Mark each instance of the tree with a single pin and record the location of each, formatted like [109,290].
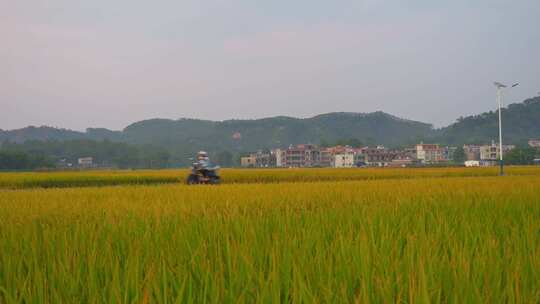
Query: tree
[353,142]
[105,153]
[324,143]
[459,156]
[152,156]
[225,158]
[520,156]
[16,160]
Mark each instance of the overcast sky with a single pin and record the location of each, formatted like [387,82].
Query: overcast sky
[108,63]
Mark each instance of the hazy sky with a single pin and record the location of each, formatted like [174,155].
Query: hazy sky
[107,63]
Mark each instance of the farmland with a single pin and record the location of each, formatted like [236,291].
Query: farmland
[300,235]
[68,179]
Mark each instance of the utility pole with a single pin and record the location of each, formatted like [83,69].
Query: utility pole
[499,87]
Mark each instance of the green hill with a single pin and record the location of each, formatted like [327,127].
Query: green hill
[184,136]
[245,135]
[39,133]
[521,121]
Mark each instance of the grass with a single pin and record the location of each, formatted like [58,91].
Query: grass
[410,240]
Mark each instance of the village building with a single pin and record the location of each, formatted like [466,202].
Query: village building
[277,157]
[472,152]
[491,153]
[534,143]
[429,153]
[304,155]
[309,155]
[260,159]
[85,162]
[344,160]
[326,157]
[379,156]
[402,160]
[248,161]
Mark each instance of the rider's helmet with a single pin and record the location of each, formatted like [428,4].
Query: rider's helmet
[202,155]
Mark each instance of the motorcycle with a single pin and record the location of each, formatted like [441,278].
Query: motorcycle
[203,175]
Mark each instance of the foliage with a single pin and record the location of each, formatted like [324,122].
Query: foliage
[459,155]
[520,123]
[521,156]
[444,240]
[105,153]
[225,159]
[353,142]
[14,160]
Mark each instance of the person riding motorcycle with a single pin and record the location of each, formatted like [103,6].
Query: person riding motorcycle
[203,171]
[202,159]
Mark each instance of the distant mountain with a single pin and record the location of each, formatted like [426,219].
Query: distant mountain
[245,135]
[184,136]
[103,134]
[521,121]
[45,133]
[39,133]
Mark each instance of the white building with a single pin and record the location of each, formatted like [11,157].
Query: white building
[344,160]
[85,162]
[534,143]
[278,155]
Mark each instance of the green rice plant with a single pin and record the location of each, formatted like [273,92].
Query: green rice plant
[409,240]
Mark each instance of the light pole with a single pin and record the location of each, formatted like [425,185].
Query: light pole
[501,86]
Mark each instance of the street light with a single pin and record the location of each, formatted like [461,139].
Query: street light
[501,86]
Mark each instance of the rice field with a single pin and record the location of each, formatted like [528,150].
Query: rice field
[24,180]
[269,236]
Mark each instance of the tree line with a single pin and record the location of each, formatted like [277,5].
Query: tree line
[48,154]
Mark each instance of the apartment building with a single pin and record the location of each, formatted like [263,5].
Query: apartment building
[402,160]
[344,160]
[492,152]
[249,161]
[326,157]
[472,152]
[379,156]
[429,153]
[304,155]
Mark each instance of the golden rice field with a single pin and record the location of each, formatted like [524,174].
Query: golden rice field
[269,236]
[230,176]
